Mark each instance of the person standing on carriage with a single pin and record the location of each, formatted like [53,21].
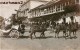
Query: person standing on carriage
[21,28]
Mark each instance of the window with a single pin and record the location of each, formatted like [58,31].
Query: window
[39,12]
[24,12]
[65,3]
[58,8]
[53,9]
[76,1]
[68,3]
[45,11]
[42,11]
[35,13]
[49,10]
[61,6]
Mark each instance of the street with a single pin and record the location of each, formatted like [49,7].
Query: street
[48,43]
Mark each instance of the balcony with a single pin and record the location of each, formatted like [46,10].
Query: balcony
[47,13]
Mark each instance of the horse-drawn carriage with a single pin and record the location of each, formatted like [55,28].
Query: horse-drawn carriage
[18,30]
[9,32]
[14,32]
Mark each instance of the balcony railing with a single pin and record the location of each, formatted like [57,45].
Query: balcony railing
[47,13]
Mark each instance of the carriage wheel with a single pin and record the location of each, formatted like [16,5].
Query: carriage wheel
[14,34]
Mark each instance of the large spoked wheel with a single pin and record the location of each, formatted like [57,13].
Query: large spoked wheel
[14,34]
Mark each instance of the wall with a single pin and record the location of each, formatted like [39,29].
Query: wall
[77,19]
[34,4]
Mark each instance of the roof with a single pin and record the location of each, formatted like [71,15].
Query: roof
[48,4]
[38,7]
[44,5]
[52,3]
[40,0]
[34,0]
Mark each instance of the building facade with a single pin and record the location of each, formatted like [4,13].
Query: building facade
[30,4]
[58,7]
[48,9]
[23,11]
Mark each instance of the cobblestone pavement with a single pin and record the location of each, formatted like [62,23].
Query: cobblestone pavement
[48,43]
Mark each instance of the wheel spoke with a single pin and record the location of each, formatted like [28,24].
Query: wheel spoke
[14,33]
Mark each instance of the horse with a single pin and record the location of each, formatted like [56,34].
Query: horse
[37,28]
[73,28]
[61,27]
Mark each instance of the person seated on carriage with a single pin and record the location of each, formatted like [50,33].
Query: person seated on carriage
[21,28]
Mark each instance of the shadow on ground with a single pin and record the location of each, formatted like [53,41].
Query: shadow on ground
[47,37]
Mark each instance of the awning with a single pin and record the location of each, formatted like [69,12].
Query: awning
[53,17]
[22,18]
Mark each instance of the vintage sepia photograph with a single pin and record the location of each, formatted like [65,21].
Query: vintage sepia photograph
[39,24]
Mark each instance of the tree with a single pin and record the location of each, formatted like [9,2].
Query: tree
[1,20]
[71,8]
